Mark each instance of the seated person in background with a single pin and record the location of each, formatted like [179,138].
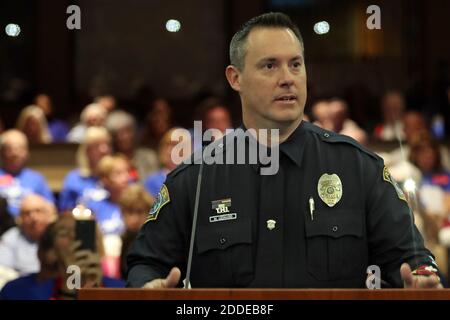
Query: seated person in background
[214,115]
[392,108]
[58,128]
[135,204]
[113,174]
[342,123]
[6,220]
[18,245]
[82,183]
[157,122]
[58,249]
[322,115]
[15,179]
[397,161]
[154,181]
[93,115]
[33,123]
[108,102]
[122,127]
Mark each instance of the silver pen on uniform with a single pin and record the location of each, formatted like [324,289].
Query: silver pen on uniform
[311,207]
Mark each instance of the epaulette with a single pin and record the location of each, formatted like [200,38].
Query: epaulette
[333,137]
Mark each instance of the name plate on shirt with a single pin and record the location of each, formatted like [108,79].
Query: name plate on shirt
[223,217]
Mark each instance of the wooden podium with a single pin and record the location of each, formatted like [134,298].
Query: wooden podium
[263,294]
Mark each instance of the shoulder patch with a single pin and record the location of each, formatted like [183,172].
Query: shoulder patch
[162,199]
[388,178]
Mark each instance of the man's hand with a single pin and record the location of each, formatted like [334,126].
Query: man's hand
[411,281]
[170,281]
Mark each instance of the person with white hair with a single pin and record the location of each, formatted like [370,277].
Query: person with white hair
[93,115]
[122,127]
[82,183]
[18,245]
[16,180]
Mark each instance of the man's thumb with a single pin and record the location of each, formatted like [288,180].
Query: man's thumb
[405,273]
[173,278]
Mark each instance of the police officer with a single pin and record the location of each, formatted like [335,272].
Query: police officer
[331,210]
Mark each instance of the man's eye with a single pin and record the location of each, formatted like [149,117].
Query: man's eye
[296,65]
[269,66]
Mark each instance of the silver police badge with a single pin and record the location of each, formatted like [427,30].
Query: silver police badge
[329,188]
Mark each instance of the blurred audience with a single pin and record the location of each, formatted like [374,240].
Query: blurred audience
[392,108]
[414,127]
[342,124]
[57,127]
[113,172]
[122,127]
[333,115]
[321,115]
[16,180]
[135,204]
[93,115]
[166,146]
[18,245]
[214,115]
[157,122]
[33,124]
[82,184]
[58,249]
[434,195]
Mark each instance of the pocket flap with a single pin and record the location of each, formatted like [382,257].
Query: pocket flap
[335,224]
[222,235]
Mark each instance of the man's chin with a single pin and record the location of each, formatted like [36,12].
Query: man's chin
[287,118]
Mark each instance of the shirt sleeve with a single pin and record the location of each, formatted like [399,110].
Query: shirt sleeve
[393,237]
[163,241]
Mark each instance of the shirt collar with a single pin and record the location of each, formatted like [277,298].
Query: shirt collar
[293,147]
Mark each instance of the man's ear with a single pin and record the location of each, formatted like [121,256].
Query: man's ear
[233,77]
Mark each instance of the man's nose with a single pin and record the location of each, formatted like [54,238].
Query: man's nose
[286,77]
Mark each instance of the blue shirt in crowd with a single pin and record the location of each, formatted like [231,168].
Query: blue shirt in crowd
[28,288]
[441,179]
[108,216]
[79,189]
[154,182]
[15,187]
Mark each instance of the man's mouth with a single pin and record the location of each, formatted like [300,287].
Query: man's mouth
[286,98]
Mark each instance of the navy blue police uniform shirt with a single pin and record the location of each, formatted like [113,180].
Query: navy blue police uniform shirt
[331,211]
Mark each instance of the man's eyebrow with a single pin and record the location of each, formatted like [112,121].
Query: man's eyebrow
[299,57]
[272,59]
[267,59]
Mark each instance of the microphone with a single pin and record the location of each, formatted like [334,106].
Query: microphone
[194,224]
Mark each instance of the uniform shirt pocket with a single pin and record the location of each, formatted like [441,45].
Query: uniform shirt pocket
[335,247]
[226,248]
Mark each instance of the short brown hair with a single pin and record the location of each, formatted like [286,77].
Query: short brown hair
[135,196]
[270,20]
